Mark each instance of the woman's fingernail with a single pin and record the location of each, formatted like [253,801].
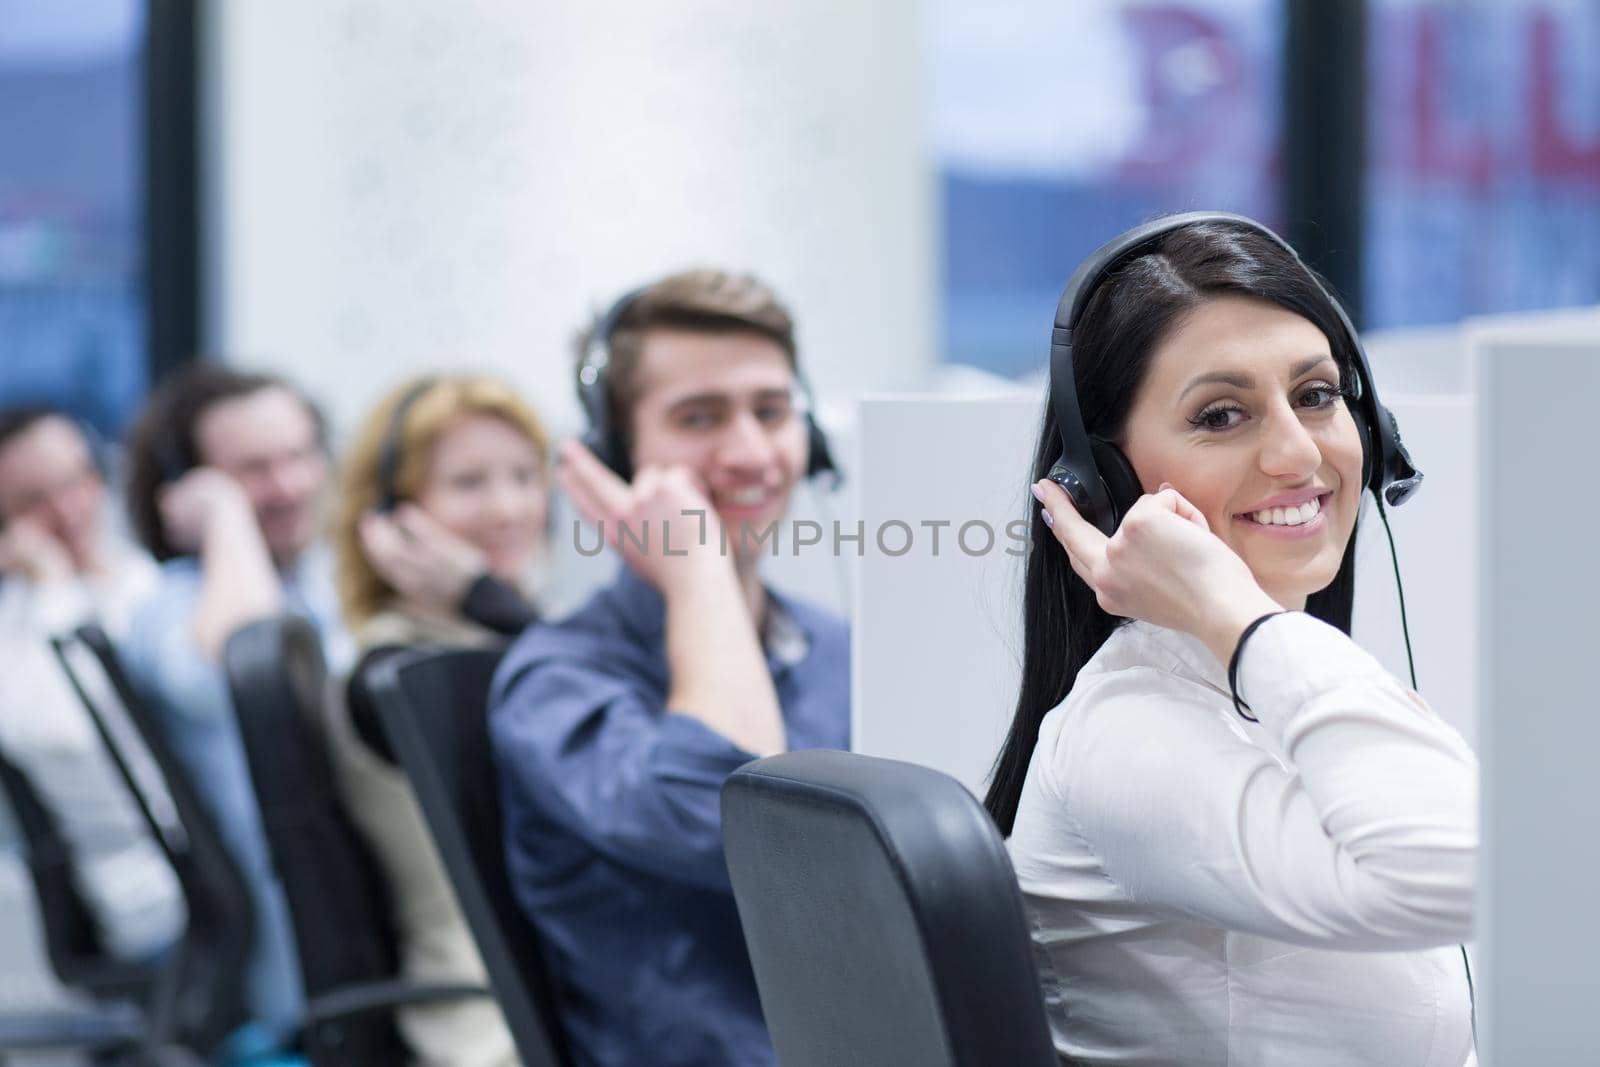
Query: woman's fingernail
[1048,521]
[1038,493]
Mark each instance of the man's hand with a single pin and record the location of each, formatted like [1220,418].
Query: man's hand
[28,549]
[197,502]
[663,510]
[420,559]
[208,513]
[718,673]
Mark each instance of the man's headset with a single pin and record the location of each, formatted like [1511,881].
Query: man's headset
[173,449]
[602,439]
[1096,474]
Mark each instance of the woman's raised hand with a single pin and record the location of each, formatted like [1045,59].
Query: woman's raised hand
[1163,565]
[420,558]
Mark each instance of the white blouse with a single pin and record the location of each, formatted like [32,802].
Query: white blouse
[1207,890]
[131,892]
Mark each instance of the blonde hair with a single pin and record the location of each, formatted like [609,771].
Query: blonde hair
[431,404]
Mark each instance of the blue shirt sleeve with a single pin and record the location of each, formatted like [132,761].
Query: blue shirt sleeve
[189,695]
[602,760]
[162,657]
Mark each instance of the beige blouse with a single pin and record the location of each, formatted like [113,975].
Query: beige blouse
[435,943]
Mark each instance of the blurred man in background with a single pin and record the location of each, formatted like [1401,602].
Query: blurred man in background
[61,567]
[227,475]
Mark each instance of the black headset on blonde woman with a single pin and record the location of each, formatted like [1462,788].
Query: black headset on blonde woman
[1102,483]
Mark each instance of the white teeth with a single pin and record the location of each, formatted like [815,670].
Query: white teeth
[744,497]
[1289,516]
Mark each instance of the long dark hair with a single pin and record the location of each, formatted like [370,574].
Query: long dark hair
[1130,312]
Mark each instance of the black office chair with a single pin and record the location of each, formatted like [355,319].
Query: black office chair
[112,1024]
[433,705]
[201,997]
[882,915]
[71,940]
[337,895]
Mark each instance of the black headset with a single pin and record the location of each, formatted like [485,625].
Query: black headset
[1097,475]
[394,443]
[601,437]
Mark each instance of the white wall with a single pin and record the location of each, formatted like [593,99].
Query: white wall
[405,184]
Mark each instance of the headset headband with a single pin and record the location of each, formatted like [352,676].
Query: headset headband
[1391,473]
[394,442]
[604,442]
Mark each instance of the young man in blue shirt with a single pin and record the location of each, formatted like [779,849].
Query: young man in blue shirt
[615,729]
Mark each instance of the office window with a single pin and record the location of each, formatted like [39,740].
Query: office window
[1057,125]
[72,312]
[1484,160]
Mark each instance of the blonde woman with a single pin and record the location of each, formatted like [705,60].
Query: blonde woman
[441,520]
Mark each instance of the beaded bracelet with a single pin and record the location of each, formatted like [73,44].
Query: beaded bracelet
[1233,666]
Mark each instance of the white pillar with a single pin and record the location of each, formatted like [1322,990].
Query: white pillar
[408,184]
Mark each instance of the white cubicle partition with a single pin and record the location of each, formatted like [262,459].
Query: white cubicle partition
[1435,537]
[1539,525]
[936,652]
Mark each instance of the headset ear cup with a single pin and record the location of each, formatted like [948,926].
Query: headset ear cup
[1117,475]
[606,450]
[819,456]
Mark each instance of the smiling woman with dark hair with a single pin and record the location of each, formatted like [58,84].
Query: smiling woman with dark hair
[1241,840]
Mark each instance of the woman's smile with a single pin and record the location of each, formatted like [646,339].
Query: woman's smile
[1288,520]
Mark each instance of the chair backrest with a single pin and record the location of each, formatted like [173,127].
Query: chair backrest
[207,985]
[882,915]
[337,895]
[71,940]
[434,708]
